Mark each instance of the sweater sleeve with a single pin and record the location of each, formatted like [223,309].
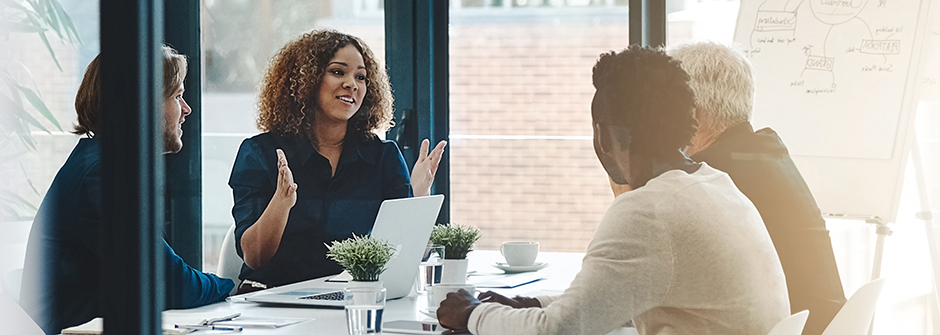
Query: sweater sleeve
[546,300]
[628,269]
[188,287]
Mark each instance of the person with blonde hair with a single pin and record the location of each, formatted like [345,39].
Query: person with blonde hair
[319,171]
[62,273]
[760,166]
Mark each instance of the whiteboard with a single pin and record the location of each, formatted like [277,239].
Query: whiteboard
[836,79]
[929,75]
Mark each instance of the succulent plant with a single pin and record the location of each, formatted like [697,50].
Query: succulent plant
[363,257]
[457,240]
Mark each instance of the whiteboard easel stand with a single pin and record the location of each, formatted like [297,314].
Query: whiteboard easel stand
[926,215]
[882,230]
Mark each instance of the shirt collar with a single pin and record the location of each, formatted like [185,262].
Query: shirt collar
[716,146]
[741,128]
[352,150]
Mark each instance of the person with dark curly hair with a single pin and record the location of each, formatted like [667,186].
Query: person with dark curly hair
[319,171]
[681,252]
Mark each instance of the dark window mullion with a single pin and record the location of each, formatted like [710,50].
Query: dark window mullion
[417,59]
[184,169]
[131,166]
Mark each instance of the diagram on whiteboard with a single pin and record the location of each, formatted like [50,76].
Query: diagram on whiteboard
[830,74]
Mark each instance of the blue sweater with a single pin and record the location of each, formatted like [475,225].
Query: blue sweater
[61,276]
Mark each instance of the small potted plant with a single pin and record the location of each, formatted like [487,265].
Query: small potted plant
[457,241]
[363,257]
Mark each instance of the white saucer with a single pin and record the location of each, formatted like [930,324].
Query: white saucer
[428,313]
[517,269]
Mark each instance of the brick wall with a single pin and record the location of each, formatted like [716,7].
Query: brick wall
[527,79]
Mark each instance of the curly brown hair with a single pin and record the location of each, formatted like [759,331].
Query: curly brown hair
[647,92]
[288,98]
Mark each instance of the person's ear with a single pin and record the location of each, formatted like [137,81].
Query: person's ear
[603,138]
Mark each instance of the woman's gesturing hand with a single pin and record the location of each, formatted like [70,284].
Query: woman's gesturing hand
[426,168]
[286,192]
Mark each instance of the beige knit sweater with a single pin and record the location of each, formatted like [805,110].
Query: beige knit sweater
[685,254]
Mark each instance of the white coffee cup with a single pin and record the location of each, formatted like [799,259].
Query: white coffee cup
[439,293]
[520,253]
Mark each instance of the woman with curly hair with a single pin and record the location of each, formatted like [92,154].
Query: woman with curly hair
[319,171]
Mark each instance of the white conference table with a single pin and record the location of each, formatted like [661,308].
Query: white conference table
[561,271]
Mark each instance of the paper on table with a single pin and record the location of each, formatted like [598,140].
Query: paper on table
[343,277]
[96,327]
[256,322]
[505,281]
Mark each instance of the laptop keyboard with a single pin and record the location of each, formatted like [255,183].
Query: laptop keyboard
[334,296]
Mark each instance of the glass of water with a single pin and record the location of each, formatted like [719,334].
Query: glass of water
[364,307]
[429,271]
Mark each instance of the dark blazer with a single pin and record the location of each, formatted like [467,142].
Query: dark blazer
[760,166]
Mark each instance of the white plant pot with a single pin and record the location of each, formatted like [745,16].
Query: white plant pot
[356,283]
[364,293]
[454,271]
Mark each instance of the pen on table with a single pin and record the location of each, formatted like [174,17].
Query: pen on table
[224,318]
[210,327]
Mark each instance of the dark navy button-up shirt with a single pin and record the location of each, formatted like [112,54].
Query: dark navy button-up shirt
[328,207]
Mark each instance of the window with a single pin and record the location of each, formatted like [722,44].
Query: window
[29,155]
[522,160]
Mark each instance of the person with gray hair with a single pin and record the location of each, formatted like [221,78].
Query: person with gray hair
[760,166]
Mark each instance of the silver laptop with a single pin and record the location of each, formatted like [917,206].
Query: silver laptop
[405,223]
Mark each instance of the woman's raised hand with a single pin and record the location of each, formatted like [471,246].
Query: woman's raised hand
[422,176]
[286,192]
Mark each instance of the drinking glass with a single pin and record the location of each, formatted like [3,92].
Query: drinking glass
[429,270]
[364,308]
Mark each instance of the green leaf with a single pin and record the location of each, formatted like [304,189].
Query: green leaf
[10,157]
[15,198]
[15,5]
[51,52]
[25,136]
[19,112]
[8,212]
[29,181]
[23,27]
[67,22]
[37,103]
[50,16]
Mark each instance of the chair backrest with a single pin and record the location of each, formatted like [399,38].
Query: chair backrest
[792,325]
[11,283]
[15,319]
[230,265]
[855,316]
